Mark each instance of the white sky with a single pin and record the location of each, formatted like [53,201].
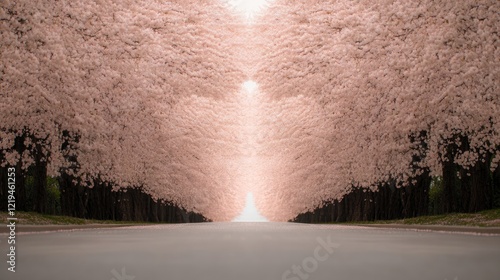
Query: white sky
[250,213]
[248,7]
[250,86]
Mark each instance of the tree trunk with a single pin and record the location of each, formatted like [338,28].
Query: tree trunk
[21,197]
[449,185]
[415,197]
[40,181]
[423,188]
[465,190]
[368,206]
[4,186]
[496,187]
[481,190]
[64,187]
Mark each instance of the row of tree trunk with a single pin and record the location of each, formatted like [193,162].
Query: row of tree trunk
[102,203]
[463,190]
[388,202]
[470,190]
[99,202]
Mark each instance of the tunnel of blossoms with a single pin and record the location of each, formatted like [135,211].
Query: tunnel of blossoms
[201,103]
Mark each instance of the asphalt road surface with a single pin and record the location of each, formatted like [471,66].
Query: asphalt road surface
[257,251]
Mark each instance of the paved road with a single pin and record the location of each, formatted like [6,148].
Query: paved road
[257,251]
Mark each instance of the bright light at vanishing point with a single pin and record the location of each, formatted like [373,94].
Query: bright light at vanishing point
[250,86]
[248,7]
[250,213]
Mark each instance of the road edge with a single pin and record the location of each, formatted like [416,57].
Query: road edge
[441,228]
[53,228]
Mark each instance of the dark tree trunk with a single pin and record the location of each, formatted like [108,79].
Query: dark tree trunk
[423,187]
[380,202]
[357,204]
[465,190]
[162,212]
[481,190]
[63,189]
[368,206]
[335,209]
[21,197]
[83,199]
[496,187]
[153,206]
[4,186]
[449,184]
[395,210]
[407,199]
[415,197]
[40,181]
[126,205]
[464,184]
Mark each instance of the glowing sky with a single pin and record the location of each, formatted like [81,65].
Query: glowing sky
[250,86]
[250,213]
[248,7]
[250,162]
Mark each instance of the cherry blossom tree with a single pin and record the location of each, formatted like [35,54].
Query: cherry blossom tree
[390,87]
[125,93]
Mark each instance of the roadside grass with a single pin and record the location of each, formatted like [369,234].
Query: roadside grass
[33,218]
[488,218]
